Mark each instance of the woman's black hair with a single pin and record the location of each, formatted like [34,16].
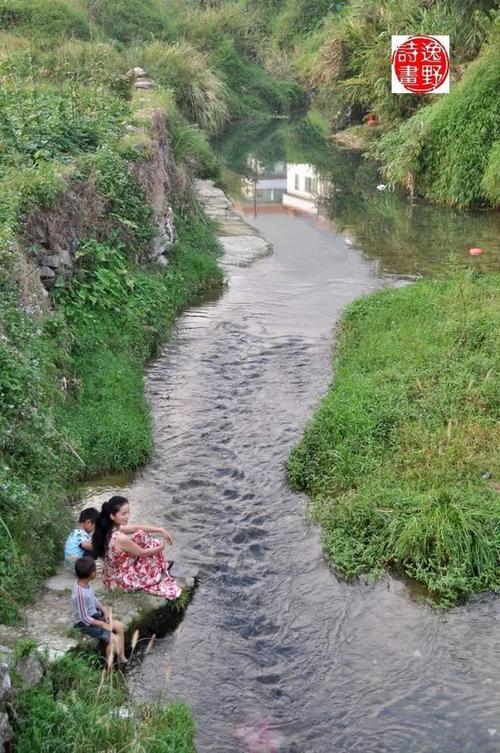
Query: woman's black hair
[104,525]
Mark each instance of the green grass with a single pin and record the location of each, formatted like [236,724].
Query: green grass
[394,457]
[44,19]
[66,712]
[448,150]
[128,21]
[108,420]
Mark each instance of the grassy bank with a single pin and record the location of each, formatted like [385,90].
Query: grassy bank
[72,391]
[65,713]
[395,456]
[73,135]
[104,413]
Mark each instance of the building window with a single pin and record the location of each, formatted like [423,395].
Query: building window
[297,183]
[311,185]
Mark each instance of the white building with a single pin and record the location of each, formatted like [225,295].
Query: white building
[303,186]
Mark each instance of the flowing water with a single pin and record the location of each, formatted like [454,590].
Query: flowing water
[275,653]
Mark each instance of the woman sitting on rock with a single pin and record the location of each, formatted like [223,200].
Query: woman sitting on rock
[133,560]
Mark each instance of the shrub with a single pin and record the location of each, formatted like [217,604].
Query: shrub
[128,21]
[199,94]
[44,19]
[128,205]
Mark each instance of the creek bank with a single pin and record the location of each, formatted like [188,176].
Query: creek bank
[93,285]
[399,456]
[48,621]
[48,633]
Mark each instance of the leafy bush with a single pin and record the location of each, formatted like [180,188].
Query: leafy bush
[128,205]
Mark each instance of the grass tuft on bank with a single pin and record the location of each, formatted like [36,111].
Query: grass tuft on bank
[65,712]
[396,456]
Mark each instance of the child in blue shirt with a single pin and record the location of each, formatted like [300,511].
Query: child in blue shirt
[79,542]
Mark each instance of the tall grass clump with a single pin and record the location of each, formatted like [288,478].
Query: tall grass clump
[448,151]
[128,22]
[199,93]
[491,177]
[71,709]
[395,457]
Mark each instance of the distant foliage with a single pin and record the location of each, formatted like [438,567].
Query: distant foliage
[44,19]
[199,94]
[346,61]
[128,21]
[301,17]
[448,151]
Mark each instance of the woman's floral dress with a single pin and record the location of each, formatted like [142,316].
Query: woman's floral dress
[123,570]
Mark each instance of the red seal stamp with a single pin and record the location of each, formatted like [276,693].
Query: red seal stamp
[420,64]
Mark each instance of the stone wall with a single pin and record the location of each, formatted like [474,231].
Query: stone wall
[50,237]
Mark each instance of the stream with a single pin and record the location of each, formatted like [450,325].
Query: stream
[275,652]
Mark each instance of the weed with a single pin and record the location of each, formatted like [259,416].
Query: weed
[64,712]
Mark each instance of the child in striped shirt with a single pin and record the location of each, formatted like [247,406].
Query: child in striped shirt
[92,617]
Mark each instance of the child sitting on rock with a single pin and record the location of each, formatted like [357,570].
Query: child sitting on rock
[91,616]
[79,542]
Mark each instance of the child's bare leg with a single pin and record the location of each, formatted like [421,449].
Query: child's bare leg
[111,649]
[119,635]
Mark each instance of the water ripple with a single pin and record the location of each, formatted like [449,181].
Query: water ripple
[276,651]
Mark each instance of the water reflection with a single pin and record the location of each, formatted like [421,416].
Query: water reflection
[290,168]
